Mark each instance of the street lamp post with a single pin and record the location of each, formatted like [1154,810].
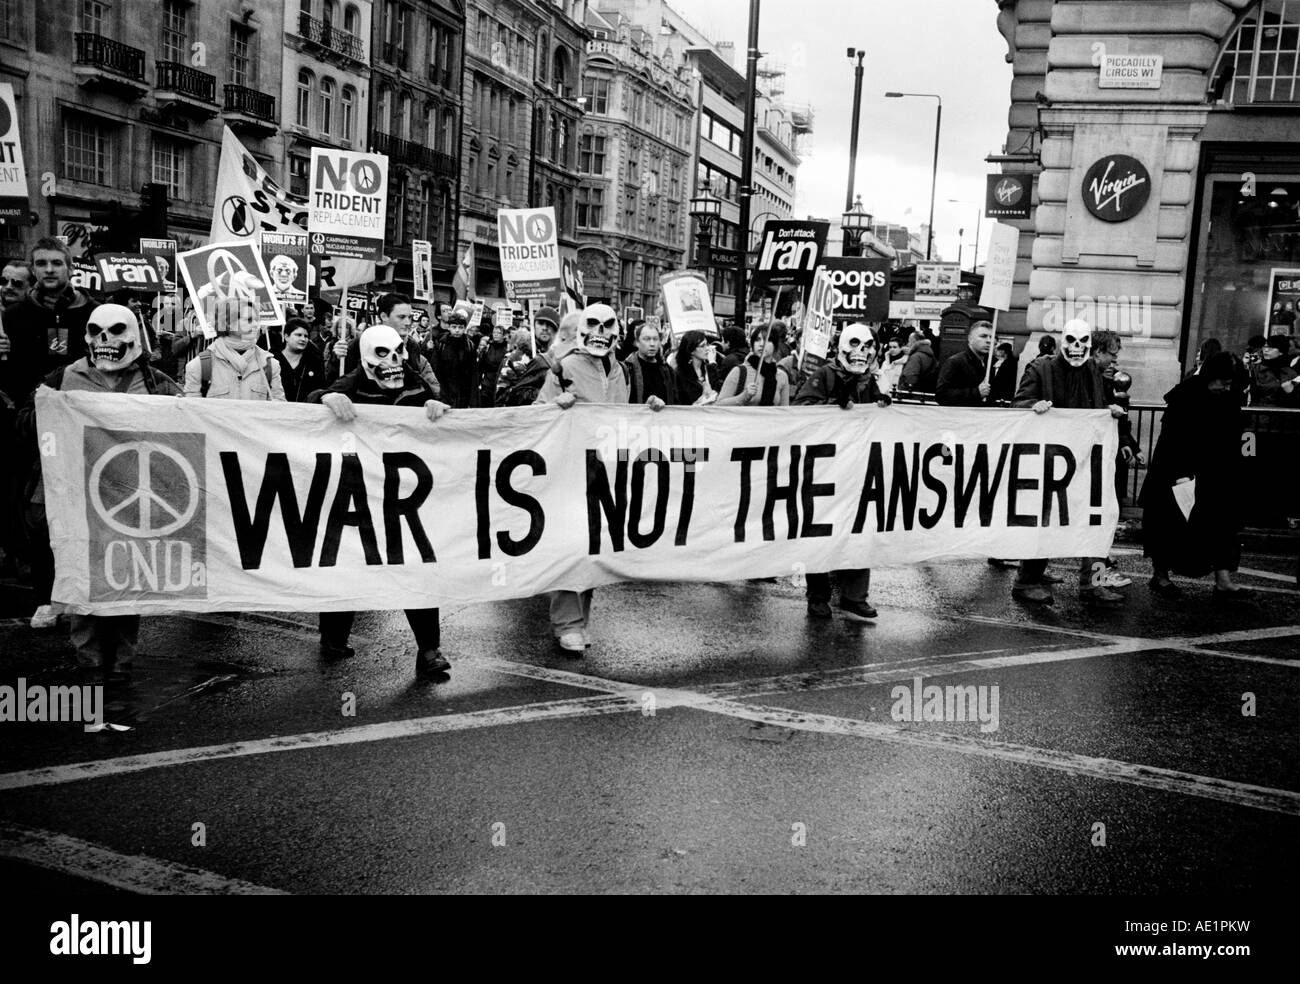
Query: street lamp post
[934,174]
[752,55]
[856,223]
[705,208]
[853,133]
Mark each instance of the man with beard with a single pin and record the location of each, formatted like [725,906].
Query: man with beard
[842,383]
[384,378]
[115,363]
[1070,380]
[454,358]
[48,328]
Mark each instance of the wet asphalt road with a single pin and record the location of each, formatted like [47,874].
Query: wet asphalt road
[713,739]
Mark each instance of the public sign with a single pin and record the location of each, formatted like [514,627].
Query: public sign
[530,252]
[1000,267]
[1007,196]
[422,269]
[348,204]
[789,253]
[162,505]
[222,273]
[132,271]
[162,253]
[860,287]
[937,281]
[287,263]
[14,203]
[1131,71]
[1116,187]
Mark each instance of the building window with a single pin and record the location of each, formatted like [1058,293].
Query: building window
[1262,59]
[175,31]
[399,212]
[543,45]
[352,20]
[554,143]
[241,56]
[87,150]
[445,224]
[380,122]
[171,166]
[326,106]
[591,154]
[562,212]
[447,144]
[560,72]
[633,171]
[627,274]
[302,111]
[563,156]
[490,180]
[474,180]
[299,173]
[349,103]
[445,55]
[330,12]
[426,214]
[591,207]
[638,103]
[402,125]
[9,24]
[93,14]
[629,212]
[596,92]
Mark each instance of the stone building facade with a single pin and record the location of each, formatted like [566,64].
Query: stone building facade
[1163,139]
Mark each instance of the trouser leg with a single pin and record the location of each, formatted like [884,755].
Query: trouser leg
[85,640]
[335,627]
[1031,572]
[42,557]
[818,588]
[425,626]
[1091,570]
[854,584]
[570,611]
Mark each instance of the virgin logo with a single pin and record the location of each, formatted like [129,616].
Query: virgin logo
[1106,191]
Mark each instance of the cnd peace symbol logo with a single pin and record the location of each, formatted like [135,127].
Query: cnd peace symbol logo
[237,216]
[366,177]
[156,507]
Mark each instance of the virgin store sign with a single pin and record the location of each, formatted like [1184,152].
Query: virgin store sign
[1116,188]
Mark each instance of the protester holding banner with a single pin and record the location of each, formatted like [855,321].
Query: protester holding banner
[962,381]
[384,378]
[48,329]
[649,376]
[395,312]
[491,353]
[235,367]
[757,381]
[302,369]
[892,362]
[697,374]
[1004,374]
[454,359]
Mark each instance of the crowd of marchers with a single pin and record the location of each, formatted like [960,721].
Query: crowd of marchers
[56,335]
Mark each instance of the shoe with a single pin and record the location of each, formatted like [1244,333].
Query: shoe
[1166,589]
[1034,594]
[45,617]
[572,643]
[819,609]
[1112,578]
[858,610]
[1100,596]
[1236,594]
[1049,578]
[997,562]
[586,639]
[431,663]
[328,652]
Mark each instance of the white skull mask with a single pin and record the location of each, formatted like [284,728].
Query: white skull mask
[857,348]
[113,337]
[597,330]
[1076,341]
[382,356]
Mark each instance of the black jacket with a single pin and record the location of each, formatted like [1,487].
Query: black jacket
[688,384]
[921,373]
[455,363]
[831,384]
[636,369]
[300,383]
[29,326]
[959,380]
[359,388]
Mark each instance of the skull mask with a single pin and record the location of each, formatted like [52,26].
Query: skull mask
[113,337]
[857,348]
[382,356]
[1076,341]
[597,330]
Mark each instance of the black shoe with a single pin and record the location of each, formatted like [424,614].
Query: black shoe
[819,609]
[1100,596]
[329,652]
[1235,594]
[859,611]
[1166,589]
[431,663]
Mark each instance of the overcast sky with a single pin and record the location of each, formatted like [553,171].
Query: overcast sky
[948,47]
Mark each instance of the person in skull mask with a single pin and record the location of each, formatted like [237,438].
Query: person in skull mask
[395,311]
[1072,380]
[384,378]
[588,373]
[115,362]
[844,382]
[454,358]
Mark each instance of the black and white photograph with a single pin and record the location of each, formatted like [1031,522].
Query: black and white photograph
[684,447]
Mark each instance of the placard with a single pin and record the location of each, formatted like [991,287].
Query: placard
[15,206]
[529,248]
[348,204]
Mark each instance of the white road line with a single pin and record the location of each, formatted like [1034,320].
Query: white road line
[1238,635]
[1151,777]
[1268,575]
[383,731]
[131,872]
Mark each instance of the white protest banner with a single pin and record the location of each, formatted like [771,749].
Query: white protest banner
[818,320]
[1000,267]
[164,504]
[14,204]
[249,202]
[162,253]
[530,252]
[687,303]
[349,202]
[422,269]
[222,275]
[133,271]
[287,263]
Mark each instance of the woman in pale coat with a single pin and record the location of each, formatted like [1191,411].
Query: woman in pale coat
[233,367]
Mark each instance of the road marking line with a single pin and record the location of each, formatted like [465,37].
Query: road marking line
[383,731]
[131,872]
[1268,575]
[1238,635]
[1151,777]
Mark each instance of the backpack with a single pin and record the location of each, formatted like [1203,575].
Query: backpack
[523,391]
[205,371]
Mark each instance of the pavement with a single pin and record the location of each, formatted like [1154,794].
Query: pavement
[713,739]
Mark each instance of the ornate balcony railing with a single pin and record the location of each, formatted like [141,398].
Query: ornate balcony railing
[111,56]
[413,154]
[187,81]
[394,55]
[241,99]
[327,36]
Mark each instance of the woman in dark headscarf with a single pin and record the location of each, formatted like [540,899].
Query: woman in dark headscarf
[1200,440]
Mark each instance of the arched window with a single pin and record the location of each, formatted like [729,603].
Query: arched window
[352,20]
[1260,62]
[383,106]
[402,127]
[326,106]
[330,12]
[560,72]
[302,114]
[543,46]
[349,127]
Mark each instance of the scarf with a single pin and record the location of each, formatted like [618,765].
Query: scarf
[767,371]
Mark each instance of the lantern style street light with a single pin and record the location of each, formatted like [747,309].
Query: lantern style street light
[705,209]
[855,222]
